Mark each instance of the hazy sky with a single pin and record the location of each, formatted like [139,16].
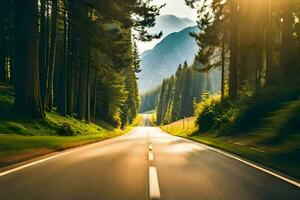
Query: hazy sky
[177,7]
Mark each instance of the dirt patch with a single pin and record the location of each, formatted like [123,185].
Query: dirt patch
[23,156]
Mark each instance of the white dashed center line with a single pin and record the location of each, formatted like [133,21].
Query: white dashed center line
[150,147]
[150,156]
[154,192]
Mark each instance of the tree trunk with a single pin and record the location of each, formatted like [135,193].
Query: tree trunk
[95,96]
[288,43]
[10,42]
[27,86]
[47,54]
[233,71]
[259,58]
[223,70]
[52,54]
[88,93]
[42,49]
[269,45]
[82,92]
[2,42]
[71,85]
[62,104]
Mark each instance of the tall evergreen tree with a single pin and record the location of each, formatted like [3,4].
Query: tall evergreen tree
[27,86]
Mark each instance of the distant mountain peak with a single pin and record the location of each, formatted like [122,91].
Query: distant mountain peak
[167,24]
[163,60]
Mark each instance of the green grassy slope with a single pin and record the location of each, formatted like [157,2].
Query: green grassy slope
[22,138]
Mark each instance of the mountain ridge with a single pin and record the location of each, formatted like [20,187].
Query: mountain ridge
[167,24]
[163,60]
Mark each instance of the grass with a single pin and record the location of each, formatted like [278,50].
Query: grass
[33,141]
[22,138]
[25,145]
[153,119]
[182,127]
[53,125]
[282,157]
[138,120]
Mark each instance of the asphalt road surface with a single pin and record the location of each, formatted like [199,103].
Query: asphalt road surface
[144,164]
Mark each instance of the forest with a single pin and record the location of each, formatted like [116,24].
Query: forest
[179,93]
[75,57]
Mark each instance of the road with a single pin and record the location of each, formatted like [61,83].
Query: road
[144,164]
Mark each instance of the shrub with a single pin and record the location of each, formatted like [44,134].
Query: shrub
[67,130]
[212,113]
[258,107]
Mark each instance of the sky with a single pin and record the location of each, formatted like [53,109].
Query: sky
[173,7]
[178,8]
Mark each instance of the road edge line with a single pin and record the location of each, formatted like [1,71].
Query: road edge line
[243,160]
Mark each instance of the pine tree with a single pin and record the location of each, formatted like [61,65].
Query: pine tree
[176,102]
[160,103]
[187,99]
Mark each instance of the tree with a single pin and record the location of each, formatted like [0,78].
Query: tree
[78,58]
[288,49]
[149,100]
[43,40]
[177,97]
[27,86]
[52,55]
[187,99]
[233,69]
[2,42]
[160,103]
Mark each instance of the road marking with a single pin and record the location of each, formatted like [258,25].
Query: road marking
[40,161]
[154,192]
[150,156]
[150,147]
[295,183]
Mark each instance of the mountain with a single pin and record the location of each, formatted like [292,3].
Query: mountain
[167,24]
[145,53]
[170,23]
[163,60]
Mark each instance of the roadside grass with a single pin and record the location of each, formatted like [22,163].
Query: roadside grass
[16,148]
[182,127]
[19,147]
[54,124]
[153,119]
[137,121]
[282,156]
[23,138]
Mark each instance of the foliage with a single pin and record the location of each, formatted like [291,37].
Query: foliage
[255,110]
[66,130]
[212,113]
[180,92]
[83,57]
[149,100]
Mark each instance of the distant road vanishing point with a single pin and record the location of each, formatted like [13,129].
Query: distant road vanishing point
[145,164]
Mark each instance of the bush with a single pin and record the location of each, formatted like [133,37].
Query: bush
[258,107]
[212,113]
[67,130]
